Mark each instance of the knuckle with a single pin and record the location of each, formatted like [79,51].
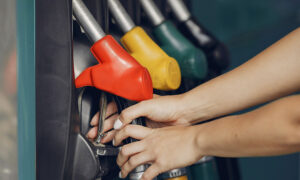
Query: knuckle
[131,162]
[142,103]
[156,152]
[123,151]
[127,129]
[123,115]
[118,162]
[159,163]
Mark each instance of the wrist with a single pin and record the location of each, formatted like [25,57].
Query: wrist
[200,141]
[195,109]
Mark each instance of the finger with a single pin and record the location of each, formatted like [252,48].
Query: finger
[134,161]
[156,95]
[108,137]
[111,109]
[95,119]
[109,123]
[133,131]
[92,133]
[129,150]
[151,172]
[131,113]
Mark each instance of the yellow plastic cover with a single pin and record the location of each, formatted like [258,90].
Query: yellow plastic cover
[164,70]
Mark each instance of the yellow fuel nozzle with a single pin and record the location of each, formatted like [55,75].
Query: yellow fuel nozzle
[164,70]
[179,178]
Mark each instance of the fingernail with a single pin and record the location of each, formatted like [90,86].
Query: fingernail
[113,142]
[120,175]
[118,124]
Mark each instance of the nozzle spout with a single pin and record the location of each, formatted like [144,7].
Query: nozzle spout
[121,16]
[86,20]
[179,9]
[152,12]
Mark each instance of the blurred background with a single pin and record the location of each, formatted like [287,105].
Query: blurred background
[245,26]
[8,100]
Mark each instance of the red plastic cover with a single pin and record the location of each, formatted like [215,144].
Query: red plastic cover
[117,72]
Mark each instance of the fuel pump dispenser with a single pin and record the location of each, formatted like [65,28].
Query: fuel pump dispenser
[117,73]
[215,51]
[192,61]
[164,70]
[112,58]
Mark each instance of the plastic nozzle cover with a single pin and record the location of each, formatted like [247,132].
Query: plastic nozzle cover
[192,60]
[118,73]
[217,53]
[178,178]
[164,70]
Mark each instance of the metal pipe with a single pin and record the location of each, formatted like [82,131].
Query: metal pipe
[152,12]
[180,10]
[138,172]
[87,21]
[121,16]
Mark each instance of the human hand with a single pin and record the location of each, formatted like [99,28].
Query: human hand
[160,111]
[164,148]
[111,116]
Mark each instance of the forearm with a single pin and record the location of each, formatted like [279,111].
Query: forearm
[271,130]
[271,74]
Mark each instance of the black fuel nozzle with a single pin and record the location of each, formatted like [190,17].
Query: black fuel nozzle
[217,53]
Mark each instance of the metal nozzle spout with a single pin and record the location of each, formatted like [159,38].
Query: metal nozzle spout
[152,12]
[179,9]
[86,20]
[121,16]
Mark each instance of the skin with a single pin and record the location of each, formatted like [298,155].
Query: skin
[269,130]
[111,116]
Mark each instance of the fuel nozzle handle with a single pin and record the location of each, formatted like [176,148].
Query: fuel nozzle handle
[192,60]
[87,21]
[164,70]
[152,11]
[121,16]
[203,38]
[216,52]
[117,72]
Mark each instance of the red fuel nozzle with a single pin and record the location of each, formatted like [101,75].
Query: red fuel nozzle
[118,73]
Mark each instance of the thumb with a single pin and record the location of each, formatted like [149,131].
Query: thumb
[129,114]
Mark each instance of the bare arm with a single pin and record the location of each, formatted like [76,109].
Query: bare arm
[269,75]
[273,129]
